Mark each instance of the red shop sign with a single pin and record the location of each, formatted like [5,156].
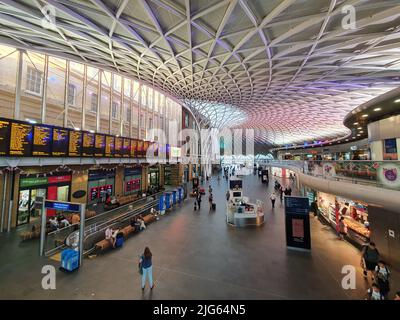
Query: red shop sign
[58,179]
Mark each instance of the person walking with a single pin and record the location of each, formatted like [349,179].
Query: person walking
[382,275]
[370,258]
[289,191]
[228,195]
[273,198]
[146,267]
[314,208]
[281,193]
[210,200]
[374,293]
[199,200]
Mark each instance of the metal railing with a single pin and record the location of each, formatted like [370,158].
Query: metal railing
[55,240]
[381,174]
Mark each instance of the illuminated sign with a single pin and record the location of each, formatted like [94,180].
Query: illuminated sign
[63,206]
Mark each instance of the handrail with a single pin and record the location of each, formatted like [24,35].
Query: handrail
[105,213]
[381,174]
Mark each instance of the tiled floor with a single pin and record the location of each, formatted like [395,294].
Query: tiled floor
[197,256]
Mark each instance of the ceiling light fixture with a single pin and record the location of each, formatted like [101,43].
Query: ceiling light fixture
[364,115]
[377,109]
[355,123]
[397,101]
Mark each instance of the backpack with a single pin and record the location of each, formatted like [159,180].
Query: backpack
[371,255]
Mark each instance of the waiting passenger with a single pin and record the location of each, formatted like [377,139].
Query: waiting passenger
[142,224]
[146,269]
[109,235]
[75,218]
[53,223]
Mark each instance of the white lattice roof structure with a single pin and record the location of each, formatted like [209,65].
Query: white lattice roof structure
[288,68]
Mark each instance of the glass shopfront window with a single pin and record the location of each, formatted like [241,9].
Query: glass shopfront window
[132,181]
[35,189]
[101,183]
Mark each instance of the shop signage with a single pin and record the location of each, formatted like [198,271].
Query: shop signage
[133,172]
[79,194]
[297,223]
[58,179]
[389,174]
[30,182]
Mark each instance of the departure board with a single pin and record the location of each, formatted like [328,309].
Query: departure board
[42,140]
[88,144]
[109,150]
[75,143]
[139,149]
[4,136]
[21,139]
[126,147]
[145,148]
[60,142]
[118,147]
[99,145]
[133,148]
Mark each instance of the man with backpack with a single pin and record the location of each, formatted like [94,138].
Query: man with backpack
[370,258]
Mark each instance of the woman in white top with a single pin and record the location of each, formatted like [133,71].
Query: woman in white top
[110,236]
[273,198]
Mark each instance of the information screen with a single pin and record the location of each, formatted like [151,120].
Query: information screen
[126,148]
[110,140]
[133,148]
[118,147]
[99,145]
[60,142]
[145,147]
[42,140]
[21,139]
[75,143]
[88,144]
[4,136]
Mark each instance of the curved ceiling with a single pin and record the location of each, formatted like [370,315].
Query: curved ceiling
[290,66]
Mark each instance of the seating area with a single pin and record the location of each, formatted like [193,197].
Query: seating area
[122,200]
[34,233]
[126,231]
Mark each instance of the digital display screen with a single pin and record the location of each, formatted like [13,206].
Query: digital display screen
[62,206]
[145,148]
[99,145]
[94,193]
[88,144]
[42,140]
[4,137]
[118,147]
[75,143]
[133,148]
[110,140]
[126,148]
[21,139]
[60,142]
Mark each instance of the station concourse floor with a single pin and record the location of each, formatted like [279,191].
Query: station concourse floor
[196,255]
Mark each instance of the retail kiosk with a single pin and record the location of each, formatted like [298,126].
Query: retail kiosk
[240,212]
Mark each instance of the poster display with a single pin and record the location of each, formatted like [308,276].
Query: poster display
[297,223]
[390,149]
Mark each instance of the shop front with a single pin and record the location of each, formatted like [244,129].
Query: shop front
[153,177]
[101,183]
[34,190]
[167,175]
[132,180]
[355,214]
